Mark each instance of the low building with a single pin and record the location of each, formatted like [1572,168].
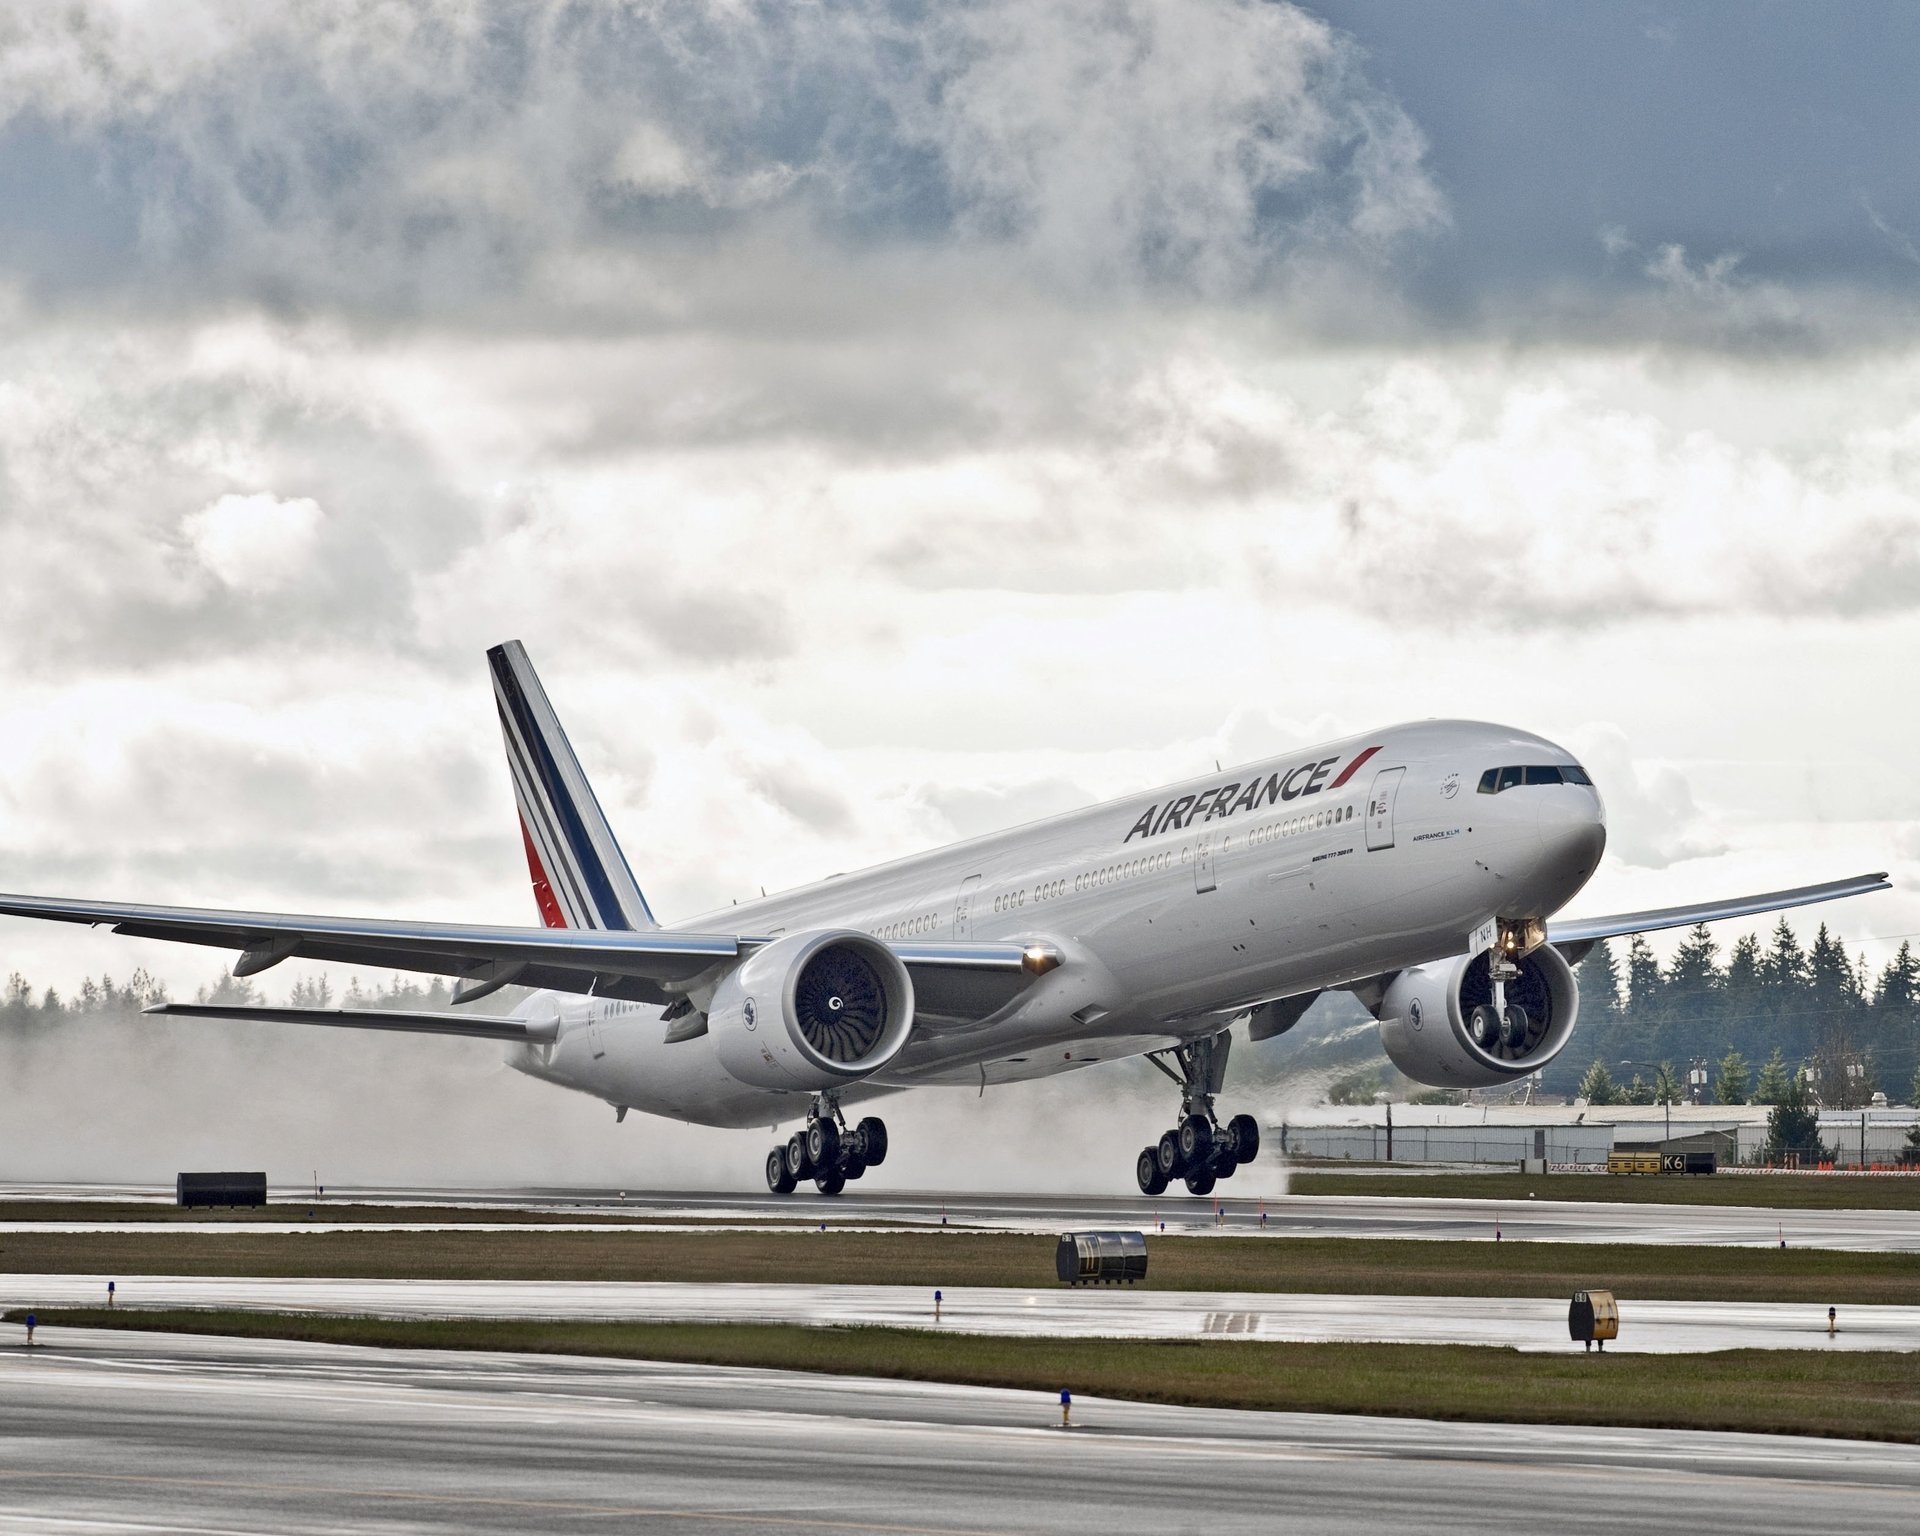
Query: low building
[1568,1136]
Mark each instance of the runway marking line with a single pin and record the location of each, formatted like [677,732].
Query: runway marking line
[555,1506]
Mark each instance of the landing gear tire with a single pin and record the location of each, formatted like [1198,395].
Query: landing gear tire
[1199,1183]
[823,1144]
[1167,1154]
[832,1184]
[1244,1132]
[779,1180]
[1147,1170]
[1196,1139]
[1513,1025]
[798,1167]
[1484,1024]
[871,1136]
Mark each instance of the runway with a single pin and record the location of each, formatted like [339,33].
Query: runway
[1357,1216]
[149,1433]
[1525,1323]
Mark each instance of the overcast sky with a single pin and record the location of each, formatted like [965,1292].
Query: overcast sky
[883,423]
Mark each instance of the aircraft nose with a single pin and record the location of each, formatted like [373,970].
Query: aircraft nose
[1573,830]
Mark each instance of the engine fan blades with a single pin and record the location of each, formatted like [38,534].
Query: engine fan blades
[841,1005]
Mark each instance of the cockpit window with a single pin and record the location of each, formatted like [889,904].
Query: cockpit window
[1494,780]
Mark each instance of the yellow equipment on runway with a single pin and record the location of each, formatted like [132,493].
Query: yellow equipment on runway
[1593,1318]
[1633,1162]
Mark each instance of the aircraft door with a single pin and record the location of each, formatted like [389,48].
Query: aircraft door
[962,907]
[1386,785]
[596,1038]
[1203,862]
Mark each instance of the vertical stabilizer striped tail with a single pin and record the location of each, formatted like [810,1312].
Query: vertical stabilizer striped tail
[580,876]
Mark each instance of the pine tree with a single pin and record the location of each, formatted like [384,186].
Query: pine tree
[1742,985]
[1643,978]
[1639,1091]
[1784,969]
[1829,975]
[1899,981]
[1913,1093]
[1666,1087]
[16,1007]
[1793,1129]
[1775,1081]
[1695,971]
[1599,982]
[231,989]
[1730,1087]
[1598,1087]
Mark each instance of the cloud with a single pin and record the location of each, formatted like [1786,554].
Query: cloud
[255,542]
[444,160]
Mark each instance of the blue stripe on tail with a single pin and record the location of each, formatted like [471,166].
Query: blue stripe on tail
[564,805]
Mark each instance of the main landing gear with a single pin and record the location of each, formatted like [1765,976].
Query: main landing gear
[1199,1149]
[826,1151]
[1500,1023]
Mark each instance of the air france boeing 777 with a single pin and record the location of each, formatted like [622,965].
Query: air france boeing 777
[1420,867]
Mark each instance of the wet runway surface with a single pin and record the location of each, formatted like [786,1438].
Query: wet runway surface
[109,1432]
[1534,1324]
[1280,1216]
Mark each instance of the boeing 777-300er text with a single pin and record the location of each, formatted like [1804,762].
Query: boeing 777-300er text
[1418,867]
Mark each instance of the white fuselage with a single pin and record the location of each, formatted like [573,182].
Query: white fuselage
[1174,908]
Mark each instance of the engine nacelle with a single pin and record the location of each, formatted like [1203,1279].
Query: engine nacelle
[1426,1020]
[812,1011]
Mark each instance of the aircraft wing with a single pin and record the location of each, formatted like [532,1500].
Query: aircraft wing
[1582,933]
[644,966]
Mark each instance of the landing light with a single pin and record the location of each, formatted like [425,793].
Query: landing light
[1038,959]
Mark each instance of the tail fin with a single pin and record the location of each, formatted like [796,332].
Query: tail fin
[580,876]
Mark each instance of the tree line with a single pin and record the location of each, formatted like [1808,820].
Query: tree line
[25,1009]
[1774,1021]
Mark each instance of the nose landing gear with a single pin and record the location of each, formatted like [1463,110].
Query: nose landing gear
[1199,1150]
[826,1151]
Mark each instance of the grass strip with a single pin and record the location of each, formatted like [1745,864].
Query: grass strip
[1785,1192]
[322,1210]
[1819,1277]
[1804,1392]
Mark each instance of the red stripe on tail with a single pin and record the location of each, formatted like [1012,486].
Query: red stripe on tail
[550,912]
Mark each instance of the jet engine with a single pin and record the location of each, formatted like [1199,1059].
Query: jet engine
[1439,1023]
[812,1011]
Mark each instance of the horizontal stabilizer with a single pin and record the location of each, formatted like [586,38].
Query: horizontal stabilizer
[1590,930]
[473,1025]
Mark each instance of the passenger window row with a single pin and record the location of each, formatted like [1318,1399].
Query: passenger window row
[1131,868]
[907,928]
[1297,824]
[1496,779]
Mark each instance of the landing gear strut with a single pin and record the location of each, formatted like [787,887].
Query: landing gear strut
[1500,1022]
[826,1151]
[1199,1149]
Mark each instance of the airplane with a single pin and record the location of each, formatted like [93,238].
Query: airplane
[1420,868]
